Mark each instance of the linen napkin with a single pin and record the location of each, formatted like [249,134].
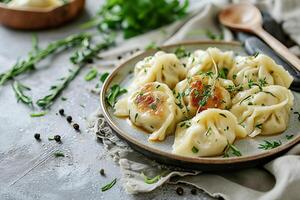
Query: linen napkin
[279,179]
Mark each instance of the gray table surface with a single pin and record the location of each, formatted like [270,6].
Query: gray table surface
[28,169]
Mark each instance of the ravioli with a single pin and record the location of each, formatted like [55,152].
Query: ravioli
[151,107]
[203,61]
[201,92]
[207,134]
[258,70]
[263,111]
[162,67]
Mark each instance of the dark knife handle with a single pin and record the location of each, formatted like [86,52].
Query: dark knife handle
[253,45]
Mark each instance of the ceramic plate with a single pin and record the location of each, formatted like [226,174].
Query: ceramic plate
[161,151]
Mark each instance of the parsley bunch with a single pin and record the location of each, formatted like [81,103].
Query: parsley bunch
[135,17]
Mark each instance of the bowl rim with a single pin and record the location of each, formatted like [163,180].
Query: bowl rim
[197,160]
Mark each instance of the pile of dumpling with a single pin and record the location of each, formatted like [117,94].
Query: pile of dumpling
[207,99]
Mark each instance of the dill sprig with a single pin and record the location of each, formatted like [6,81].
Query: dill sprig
[36,55]
[19,91]
[269,145]
[231,149]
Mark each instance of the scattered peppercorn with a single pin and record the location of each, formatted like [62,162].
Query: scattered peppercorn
[76,126]
[37,136]
[69,119]
[102,172]
[194,191]
[179,191]
[57,138]
[119,57]
[61,112]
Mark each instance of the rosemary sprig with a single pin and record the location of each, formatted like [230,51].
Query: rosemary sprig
[269,145]
[79,59]
[19,91]
[91,74]
[109,185]
[48,100]
[36,56]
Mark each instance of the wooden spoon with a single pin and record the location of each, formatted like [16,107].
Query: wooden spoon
[39,18]
[247,18]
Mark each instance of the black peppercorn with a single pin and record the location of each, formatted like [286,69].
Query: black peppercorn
[61,111]
[119,57]
[69,119]
[37,136]
[194,191]
[76,126]
[179,191]
[57,138]
[102,172]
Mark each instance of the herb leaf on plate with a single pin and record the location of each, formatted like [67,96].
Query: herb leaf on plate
[115,91]
[269,144]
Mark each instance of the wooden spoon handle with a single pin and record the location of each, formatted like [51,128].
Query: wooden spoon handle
[278,47]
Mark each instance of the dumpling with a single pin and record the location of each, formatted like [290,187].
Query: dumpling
[151,107]
[264,110]
[258,70]
[207,134]
[162,67]
[200,92]
[202,61]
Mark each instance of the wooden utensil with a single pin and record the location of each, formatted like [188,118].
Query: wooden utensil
[247,18]
[39,18]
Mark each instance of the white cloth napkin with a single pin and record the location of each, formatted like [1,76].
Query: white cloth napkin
[279,179]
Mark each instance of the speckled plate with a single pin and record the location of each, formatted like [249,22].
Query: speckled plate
[162,151]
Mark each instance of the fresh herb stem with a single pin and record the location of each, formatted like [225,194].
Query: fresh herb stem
[19,91]
[34,57]
[79,59]
[151,180]
[109,185]
[231,149]
[114,92]
[39,114]
[269,145]
[92,74]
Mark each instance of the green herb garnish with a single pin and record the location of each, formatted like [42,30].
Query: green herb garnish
[39,114]
[59,154]
[231,149]
[104,76]
[180,52]
[109,185]
[269,145]
[114,92]
[79,59]
[34,57]
[151,180]
[19,91]
[92,74]
[288,137]
[195,149]
[223,73]
[136,16]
